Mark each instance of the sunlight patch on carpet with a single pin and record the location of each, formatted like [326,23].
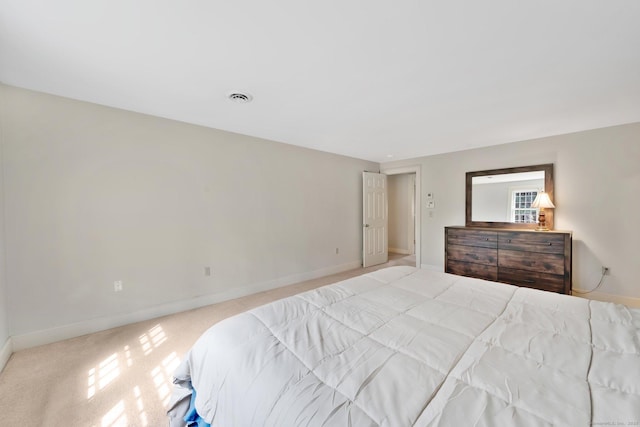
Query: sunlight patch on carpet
[144,422]
[101,376]
[115,417]
[162,377]
[152,339]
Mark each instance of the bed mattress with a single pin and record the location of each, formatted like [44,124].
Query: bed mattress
[413,347]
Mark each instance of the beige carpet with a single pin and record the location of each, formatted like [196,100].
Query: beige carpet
[122,376]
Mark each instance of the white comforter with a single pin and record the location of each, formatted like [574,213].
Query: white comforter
[402,347]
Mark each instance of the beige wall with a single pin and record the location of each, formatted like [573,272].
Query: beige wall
[96,194]
[597,183]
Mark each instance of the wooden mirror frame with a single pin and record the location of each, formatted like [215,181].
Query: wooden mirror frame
[548,188]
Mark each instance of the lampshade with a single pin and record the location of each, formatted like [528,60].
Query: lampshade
[542,201]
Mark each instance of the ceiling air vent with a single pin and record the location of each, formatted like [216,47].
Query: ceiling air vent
[239,97]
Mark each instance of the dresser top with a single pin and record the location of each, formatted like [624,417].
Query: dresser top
[519,230]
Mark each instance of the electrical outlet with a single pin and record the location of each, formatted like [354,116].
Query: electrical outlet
[605,270]
[207,271]
[117,286]
[337,251]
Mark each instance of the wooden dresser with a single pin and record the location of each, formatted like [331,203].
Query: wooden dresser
[535,259]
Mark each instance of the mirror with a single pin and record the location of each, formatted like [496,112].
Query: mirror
[502,197]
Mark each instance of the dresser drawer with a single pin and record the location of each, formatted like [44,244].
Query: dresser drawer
[476,238]
[481,271]
[530,261]
[549,243]
[545,282]
[473,254]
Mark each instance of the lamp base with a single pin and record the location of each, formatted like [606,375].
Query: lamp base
[542,223]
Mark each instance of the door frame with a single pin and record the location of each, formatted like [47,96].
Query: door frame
[412,219]
[417,169]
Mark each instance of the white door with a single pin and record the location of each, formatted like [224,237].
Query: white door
[374,214]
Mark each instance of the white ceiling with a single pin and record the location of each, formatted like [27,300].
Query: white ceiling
[361,78]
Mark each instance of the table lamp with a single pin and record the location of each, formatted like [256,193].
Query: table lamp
[542,201]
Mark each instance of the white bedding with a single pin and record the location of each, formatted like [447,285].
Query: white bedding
[403,346]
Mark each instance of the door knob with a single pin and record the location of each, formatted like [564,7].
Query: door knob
[366,225]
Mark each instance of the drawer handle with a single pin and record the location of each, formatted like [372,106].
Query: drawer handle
[528,281]
[550,243]
[486,239]
[508,240]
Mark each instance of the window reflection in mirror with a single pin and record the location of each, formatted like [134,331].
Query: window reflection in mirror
[506,197]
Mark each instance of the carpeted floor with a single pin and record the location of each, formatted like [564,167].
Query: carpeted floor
[122,376]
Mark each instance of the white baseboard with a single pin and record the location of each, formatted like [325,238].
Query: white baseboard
[617,299]
[5,353]
[432,267]
[46,336]
[400,251]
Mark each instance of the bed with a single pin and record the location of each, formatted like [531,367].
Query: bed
[413,347]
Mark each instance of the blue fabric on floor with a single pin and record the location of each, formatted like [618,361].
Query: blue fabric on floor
[193,418]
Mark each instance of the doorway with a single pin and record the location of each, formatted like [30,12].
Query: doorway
[404,214]
[402,238]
